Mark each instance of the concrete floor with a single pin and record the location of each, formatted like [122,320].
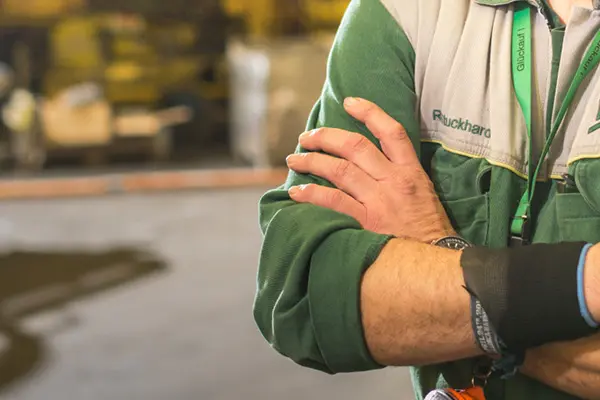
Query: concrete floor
[146,298]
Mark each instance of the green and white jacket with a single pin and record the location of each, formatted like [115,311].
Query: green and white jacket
[442,68]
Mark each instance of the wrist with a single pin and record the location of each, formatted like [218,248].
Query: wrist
[450,232]
[437,236]
[591,282]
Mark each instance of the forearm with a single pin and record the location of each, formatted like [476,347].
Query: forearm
[415,310]
[556,366]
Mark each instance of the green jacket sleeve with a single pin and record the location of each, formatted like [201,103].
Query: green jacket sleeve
[312,259]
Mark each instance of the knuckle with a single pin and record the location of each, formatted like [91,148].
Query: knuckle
[355,143]
[334,197]
[359,143]
[341,169]
[406,181]
[397,130]
[409,187]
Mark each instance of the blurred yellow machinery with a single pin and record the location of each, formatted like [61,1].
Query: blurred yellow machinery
[143,56]
[140,63]
[25,10]
[268,18]
[323,14]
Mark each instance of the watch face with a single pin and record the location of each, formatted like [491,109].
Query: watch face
[454,243]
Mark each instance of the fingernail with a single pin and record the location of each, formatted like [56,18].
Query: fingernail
[295,190]
[350,101]
[290,159]
[308,133]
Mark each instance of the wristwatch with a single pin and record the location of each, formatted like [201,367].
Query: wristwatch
[452,242]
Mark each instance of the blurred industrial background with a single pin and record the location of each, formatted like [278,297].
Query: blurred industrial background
[92,83]
[136,137]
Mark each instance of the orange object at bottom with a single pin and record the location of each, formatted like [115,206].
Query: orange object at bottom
[474,393]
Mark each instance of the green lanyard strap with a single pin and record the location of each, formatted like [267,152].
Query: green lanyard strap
[522,67]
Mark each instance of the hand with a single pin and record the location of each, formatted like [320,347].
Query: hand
[387,192]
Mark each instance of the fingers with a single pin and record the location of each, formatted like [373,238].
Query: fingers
[327,197]
[342,173]
[350,146]
[393,138]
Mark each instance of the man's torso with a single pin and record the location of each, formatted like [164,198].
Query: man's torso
[474,137]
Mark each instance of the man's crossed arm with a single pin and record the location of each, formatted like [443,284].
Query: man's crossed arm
[422,284]
[415,310]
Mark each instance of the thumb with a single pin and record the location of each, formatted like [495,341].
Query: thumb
[394,140]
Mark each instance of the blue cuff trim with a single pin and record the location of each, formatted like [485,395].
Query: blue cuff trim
[583,308]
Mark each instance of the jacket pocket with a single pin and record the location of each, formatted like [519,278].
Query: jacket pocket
[578,214]
[462,184]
